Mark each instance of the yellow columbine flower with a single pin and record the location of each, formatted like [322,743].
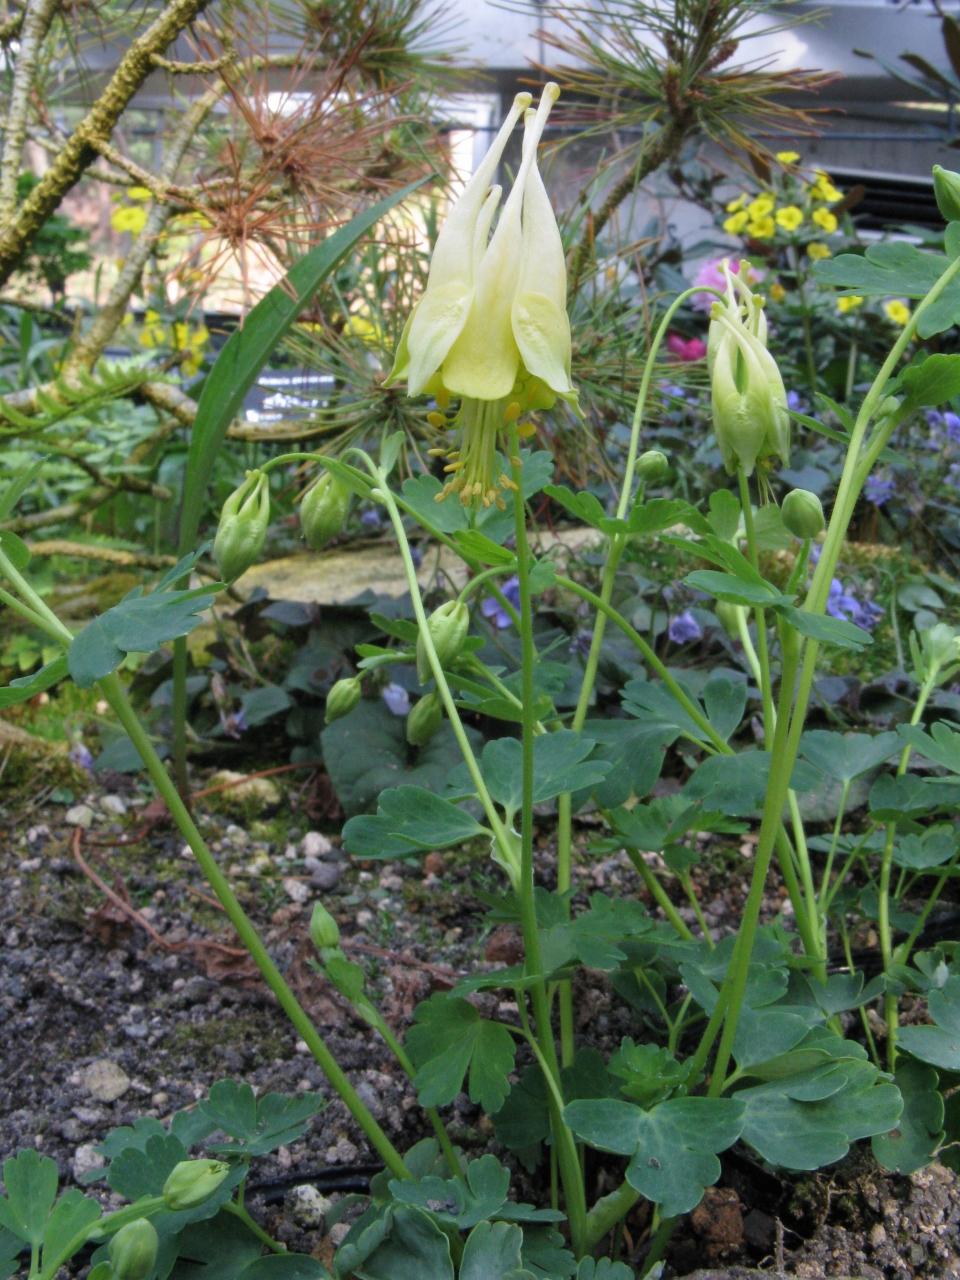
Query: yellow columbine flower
[492,325]
[736,205]
[777,291]
[760,207]
[817,250]
[897,311]
[789,218]
[735,224]
[762,228]
[788,157]
[848,304]
[824,218]
[129,218]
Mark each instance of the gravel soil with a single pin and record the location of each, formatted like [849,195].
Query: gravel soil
[111,1021]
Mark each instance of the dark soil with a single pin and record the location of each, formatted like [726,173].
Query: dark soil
[80,984]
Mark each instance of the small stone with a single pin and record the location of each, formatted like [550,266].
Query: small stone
[315,845]
[434,864]
[364,918]
[260,865]
[113,804]
[160,1099]
[308,1207]
[85,1160]
[295,889]
[878,1236]
[81,815]
[284,1158]
[301,1047]
[504,946]
[338,1233]
[256,794]
[343,1153]
[105,1080]
[31,864]
[324,875]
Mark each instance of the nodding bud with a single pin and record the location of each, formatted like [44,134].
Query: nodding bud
[133,1250]
[946,187]
[424,720]
[729,616]
[803,514]
[324,510]
[191,1182]
[652,466]
[448,628]
[243,526]
[324,930]
[342,698]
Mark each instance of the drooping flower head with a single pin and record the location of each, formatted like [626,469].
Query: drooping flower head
[749,401]
[492,326]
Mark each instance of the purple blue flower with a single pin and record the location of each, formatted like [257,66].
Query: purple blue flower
[684,628]
[952,422]
[581,642]
[794,402]
[233,724]
[495,611]
[934,418]
[370,519]
[397,699]
[847,607]
[878,491]
[79,754]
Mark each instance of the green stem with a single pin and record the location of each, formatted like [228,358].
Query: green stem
[832,852]
[659,894]
[695,903]
[238,1211]
[760,616]
[97,1231]
[659,1246]
[114,693]
[607,1212]
[851,967]
[24,610]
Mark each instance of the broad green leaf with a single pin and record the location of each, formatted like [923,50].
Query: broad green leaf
[911,1145]
[14,548]
[135,1172]
[492,1251]
[10,1248]
[453,1203]
[144,1128]
[723,705]
[544,1255]
[18,486]
[72,1213]
[25,687]
[449,1038]
[364,1237]
[663,513]
[936,846]
[450,515]
[559,764]
[733,590]
[652,826]
[737,785]
[264,702]
[934,381]
[842,992]
[249,348]
[214,1249]
[725,701]
[603,1269]
[636,753]
[476,546]
[941,745]
[672,1146]
[810,1120]
[763,1032]
[900,270]
[138,624]
[409,820]
[770,533]
[415,1249]
[523,1122]
[892,798]
[939,1045]
[824,629]
[846,756]
[595,933]
[367,752]
[724,517]
[190,1126]
[284,1266]
[259,1125]
[31,1185]
[583,506]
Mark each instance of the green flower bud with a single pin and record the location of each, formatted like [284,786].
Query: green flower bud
[652,466]
[133,1250]
[342,698]
[941,645]
[887,408]
[803,514]
[448,628]
[424,720]
[729,617]
[324,930]
[323,511]
[243,526]
[193,1181]
[946,187]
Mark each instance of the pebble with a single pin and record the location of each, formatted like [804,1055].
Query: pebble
[308,1206]
[85,1160]
[323,875]
[105,1080]
[315,845]
[81,815]
[296,890]
[113,804]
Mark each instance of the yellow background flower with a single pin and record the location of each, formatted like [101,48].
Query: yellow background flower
[848,304]
[760,207]
[824,218]
[762,228]
[897,311]
[817,250]
[735,205]
[788,157]
[736,222]
[777,291]
[789,218]
[129,218]
[823,188]
[139,193]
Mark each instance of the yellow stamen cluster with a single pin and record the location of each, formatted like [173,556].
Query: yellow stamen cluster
[471,466]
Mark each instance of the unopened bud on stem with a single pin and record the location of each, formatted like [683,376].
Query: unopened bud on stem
[652,466]
[424,720]
[803,514]
[324,510]
[324,930]
[191,1182]
[133,1250]
[448,628]
[342,698]
[243,526]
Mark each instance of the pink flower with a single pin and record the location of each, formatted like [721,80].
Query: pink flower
[686,348]
[711,277]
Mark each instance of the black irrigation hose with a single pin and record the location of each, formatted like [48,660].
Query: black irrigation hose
[354,1177]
